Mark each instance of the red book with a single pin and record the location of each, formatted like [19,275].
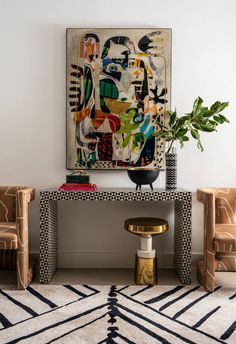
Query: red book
[78,187]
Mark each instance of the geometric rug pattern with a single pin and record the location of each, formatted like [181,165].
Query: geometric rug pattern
[117,314]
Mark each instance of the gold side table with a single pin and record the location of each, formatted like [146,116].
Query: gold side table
[146,259]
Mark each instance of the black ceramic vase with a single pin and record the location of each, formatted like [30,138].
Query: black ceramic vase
[143,176]
[171,170]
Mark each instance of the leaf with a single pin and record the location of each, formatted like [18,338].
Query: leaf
[196,126]
[172,118]
[183,120]
[181,141]
[197,105]
[224,118]
[215,106]
[175,126]
[222,106]
[201,119]
[181,132]
[159,134]
[185,138]
[205,112]
[213,123]
[195,134]
[207,128]
[161,125]
[162,133]
[218,106]
[218,119]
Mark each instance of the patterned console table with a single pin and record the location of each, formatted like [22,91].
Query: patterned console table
[182,217]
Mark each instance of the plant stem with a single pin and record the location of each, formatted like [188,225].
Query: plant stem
[171,144]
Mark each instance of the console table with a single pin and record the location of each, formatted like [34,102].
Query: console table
[182,219]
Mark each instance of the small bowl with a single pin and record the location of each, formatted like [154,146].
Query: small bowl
[143,176]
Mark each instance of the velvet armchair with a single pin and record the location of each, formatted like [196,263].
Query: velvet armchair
[14,232]
[219,234]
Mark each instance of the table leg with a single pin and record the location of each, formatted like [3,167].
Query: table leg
[48,238]
[182,239]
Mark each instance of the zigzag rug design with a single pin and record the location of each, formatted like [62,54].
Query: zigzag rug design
[117,314]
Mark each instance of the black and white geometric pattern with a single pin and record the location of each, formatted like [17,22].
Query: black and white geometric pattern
[182,210]
[171,171]
[103,165]
[117,314]
[159,151]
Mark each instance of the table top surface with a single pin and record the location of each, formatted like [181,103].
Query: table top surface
[146,225]
[117,194]
[118,190]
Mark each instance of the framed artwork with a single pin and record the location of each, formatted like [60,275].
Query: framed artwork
[118,85]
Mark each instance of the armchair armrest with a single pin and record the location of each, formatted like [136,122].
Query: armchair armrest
[206,268]
[8,197]
[23,197]
[29,193]
[207,197]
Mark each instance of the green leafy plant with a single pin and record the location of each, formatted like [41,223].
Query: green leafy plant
[200,119]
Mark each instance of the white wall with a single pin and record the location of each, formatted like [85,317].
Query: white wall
[32,108]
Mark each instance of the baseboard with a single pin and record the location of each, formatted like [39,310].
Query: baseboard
[109,259]
[105,260]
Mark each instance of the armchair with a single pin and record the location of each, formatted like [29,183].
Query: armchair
[14,248]
[219,234]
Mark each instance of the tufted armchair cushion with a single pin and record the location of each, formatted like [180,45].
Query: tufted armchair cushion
[225,205]
[8,236]
[8,203]
[225,237]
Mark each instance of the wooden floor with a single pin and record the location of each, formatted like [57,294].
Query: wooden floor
[114,276]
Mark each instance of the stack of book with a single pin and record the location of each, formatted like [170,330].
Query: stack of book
[78,181]
[78,187]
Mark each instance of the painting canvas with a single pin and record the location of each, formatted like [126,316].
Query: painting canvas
[118,87]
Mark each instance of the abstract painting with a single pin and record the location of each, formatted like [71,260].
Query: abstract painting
[118,88]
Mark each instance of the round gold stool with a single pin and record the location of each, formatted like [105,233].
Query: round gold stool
[146,259]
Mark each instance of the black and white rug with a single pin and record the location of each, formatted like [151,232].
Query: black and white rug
[117,314]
